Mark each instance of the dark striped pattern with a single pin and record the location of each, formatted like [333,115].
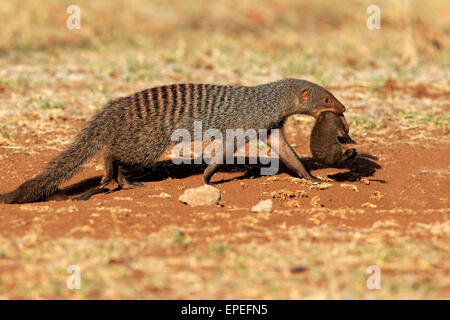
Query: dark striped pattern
[137,103]
[178,101]
[192,92]
[182,105]
[146,96]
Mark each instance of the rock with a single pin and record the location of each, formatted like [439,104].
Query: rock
[316,202]
[201,196]
[263,206]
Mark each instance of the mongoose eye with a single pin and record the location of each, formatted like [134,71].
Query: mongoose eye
[327,100]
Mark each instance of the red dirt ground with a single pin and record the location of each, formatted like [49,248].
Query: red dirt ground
[405,177]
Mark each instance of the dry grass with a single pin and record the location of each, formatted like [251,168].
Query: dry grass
[166,265]
[50,75]
[159,40]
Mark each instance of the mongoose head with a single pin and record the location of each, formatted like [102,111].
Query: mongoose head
[313,99]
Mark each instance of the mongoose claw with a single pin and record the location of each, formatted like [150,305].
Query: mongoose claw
[131,185]
[314,179]
[209,183]
[80,198]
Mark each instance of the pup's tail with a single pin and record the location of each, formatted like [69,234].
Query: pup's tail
[366,155]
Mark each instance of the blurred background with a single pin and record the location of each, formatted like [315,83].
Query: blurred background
[233,41]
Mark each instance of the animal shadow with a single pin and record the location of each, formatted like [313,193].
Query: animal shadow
[360,167]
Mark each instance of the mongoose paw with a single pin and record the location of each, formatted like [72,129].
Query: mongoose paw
[131,185]
[207,181]
[315,180]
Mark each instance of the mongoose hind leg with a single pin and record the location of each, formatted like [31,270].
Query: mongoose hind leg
[106,180]
[290,159]
[213,167]
[230,149]
[209,172]
[111,169]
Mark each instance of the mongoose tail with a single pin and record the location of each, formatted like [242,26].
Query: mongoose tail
[88,142]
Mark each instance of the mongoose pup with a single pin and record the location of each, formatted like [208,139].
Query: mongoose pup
[326,137]
[133,131]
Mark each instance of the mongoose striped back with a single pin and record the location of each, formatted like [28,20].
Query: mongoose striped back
[204,102]
[144,122]
[177,101]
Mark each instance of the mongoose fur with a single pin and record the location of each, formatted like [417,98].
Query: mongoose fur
[133,131]
[326,137]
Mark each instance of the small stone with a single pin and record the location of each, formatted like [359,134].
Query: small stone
[201,196]
[298,269]
[350,186]
[316,202]
[293,203]
[368,205]
[321,186]
[161,195]
[263,206]
[376,195]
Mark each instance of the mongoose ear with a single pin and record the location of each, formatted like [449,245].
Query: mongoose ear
[305,95]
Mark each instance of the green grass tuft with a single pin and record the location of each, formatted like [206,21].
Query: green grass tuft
[45,103]
[366,123]
[180,239]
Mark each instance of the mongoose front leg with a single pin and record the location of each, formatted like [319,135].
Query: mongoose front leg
[290,159]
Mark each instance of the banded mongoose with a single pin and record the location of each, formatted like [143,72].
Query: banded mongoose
[134,131]
[327,135]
